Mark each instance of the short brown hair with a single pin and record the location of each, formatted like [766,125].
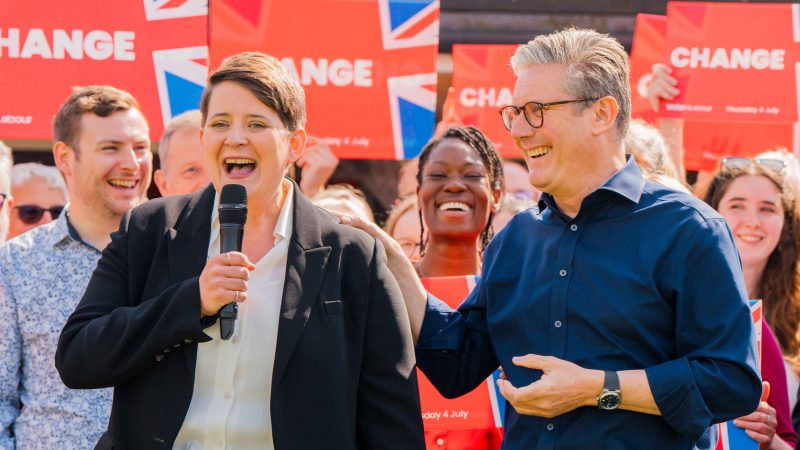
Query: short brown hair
[99,100]
[268,80]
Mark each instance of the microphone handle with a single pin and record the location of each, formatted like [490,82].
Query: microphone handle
[230,240]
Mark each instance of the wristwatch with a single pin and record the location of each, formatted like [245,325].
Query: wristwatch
[610,398]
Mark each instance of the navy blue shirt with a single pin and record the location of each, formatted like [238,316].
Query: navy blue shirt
[644,277]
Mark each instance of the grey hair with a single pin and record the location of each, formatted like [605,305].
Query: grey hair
[186,121]
[596,66]
[6,161]
[21,173]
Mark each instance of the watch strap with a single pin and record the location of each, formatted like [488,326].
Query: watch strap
[611,382]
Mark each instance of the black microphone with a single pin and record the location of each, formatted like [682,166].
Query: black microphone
[232,216]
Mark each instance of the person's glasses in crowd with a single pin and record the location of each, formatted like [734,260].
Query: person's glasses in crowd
[409,247]
[533,112]
[740,163]
[31,214]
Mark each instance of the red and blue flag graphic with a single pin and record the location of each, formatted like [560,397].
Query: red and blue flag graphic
[368,67]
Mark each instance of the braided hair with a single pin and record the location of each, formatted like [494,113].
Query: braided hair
[491,159]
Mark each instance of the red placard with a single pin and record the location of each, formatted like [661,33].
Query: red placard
[478,409]
[155,49]
[705,143]
[483,83]
[649,47]
[368,67]
[736,62]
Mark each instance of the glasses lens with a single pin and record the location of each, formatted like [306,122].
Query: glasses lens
[533,113]
[776,165]
[508,113]
[29,214]
[736,163]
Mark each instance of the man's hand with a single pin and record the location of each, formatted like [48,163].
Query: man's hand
[318,163]
[563,387]
[224,280]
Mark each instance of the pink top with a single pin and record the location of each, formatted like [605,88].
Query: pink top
[772,370]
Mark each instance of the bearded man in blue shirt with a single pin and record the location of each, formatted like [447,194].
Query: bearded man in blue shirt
[618,313]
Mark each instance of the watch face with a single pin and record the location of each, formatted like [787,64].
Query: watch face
[609,400]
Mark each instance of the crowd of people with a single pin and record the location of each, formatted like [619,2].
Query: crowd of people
[611,293]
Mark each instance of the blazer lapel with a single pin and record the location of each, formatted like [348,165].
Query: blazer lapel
[187,248]
[305,271]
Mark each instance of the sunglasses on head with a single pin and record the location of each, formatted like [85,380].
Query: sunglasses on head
[740,163]
[30,214]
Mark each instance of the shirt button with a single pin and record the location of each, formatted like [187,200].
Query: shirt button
[562,272]
[235,339]
[440,442]
[557,324]
[550,427]
[573,227]
[159,358]
[187,341]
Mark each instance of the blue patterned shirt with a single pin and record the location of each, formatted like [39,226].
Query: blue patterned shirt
[43,274]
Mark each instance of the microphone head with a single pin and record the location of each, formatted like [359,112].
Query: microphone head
[233,204]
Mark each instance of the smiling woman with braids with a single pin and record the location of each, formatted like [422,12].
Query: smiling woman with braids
[460,181]
[460,186]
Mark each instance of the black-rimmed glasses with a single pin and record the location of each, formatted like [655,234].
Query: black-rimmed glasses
[741,163]
[533,112]
[31,214]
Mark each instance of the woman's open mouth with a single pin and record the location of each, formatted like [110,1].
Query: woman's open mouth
[239,167]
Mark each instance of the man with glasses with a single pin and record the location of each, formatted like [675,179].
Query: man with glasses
[618,313]
[102,148]
[6,202]
[39,194]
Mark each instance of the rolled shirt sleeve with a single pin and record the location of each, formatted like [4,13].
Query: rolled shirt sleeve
[455,349]
[714,378]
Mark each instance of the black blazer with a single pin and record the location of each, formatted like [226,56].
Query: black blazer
[344,373]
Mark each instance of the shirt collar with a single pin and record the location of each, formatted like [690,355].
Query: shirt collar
[283,227]
[627,183]
[62,230]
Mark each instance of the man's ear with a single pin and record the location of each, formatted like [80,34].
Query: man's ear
[604,115]
[297,144]
[161,182]
[497,198]
[64,156]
